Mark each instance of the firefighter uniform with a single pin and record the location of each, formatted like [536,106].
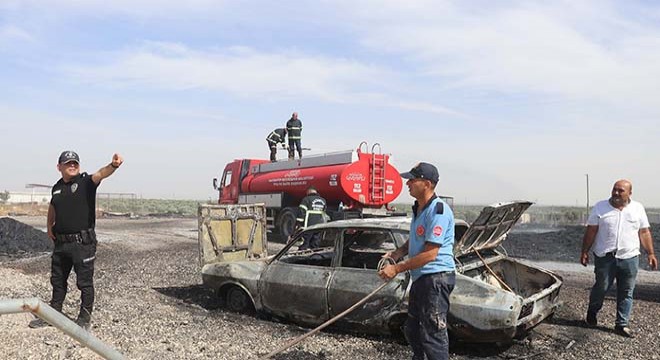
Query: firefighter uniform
[75,240]
[311,212]
[294,129]
[275,137]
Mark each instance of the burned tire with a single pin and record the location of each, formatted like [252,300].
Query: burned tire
[397,324]
[286,223]
[237,300]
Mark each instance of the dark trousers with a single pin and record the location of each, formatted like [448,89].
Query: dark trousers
[273,151]
[80,258]
[426,326]
[294,144]
[311,241]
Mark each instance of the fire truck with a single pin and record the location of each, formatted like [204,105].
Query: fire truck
[355,183]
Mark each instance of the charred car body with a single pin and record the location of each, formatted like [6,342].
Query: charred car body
[495,298]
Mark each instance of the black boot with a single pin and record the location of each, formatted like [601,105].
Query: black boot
[84,319]
[38,323]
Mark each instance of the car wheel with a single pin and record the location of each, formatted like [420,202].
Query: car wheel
[397,324]
[238,300]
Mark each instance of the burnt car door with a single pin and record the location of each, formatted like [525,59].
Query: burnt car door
[356,276]
[294,284]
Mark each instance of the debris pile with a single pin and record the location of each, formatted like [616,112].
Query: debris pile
[563,244]
[20,240]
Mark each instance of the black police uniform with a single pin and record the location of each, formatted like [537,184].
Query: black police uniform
[75,240]
[294,129]
[311,212]
[276,136]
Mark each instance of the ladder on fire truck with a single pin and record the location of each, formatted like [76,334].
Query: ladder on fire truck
[377,166]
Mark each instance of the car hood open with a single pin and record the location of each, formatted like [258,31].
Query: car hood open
[491,226]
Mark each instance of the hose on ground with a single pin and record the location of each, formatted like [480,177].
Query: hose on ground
[381,264]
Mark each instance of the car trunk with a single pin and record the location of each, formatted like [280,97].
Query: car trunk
[490,284]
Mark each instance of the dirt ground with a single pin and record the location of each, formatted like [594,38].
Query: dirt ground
[150,305]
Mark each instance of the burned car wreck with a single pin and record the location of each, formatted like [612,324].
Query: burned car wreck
[496,298]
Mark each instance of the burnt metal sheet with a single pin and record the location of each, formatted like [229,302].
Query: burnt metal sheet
[231,232]
[350,285]
[295,292]
[490,227]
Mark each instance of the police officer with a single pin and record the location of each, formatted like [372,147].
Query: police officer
[276,136]
[70,224]
[311,212]
[294,128]
[431,265]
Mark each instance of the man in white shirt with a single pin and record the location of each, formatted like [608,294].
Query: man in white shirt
[615,230]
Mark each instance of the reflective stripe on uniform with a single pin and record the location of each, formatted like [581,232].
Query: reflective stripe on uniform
[273,139]
[314,212]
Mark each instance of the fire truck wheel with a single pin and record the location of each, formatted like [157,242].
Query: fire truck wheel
[287,222]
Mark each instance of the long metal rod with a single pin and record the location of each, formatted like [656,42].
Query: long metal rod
[491,270]
[325,324]
[55,318]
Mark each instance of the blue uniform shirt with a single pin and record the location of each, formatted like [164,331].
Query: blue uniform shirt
[434,223]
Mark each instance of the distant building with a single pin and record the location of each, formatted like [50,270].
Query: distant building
[16,197]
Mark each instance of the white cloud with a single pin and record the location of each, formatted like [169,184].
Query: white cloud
[137,9]
[12,33]
[248,73]
[587,52]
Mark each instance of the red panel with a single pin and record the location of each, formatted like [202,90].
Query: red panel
[346,183]
[355,182]
[296,181]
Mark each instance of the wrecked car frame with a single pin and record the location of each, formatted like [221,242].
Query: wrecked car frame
[311,286]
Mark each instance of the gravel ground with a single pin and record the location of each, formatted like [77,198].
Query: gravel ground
[150,305]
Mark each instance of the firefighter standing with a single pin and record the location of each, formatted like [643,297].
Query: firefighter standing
[276,136]
[294,128]
[70,224]
[311,212]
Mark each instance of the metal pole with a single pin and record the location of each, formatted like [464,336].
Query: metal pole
[55,318]
[587,175]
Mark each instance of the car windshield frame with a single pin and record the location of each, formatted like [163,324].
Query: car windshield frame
[398,236]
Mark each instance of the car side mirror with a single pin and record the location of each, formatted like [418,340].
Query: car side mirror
[215,183]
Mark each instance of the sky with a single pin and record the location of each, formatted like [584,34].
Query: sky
[511,100]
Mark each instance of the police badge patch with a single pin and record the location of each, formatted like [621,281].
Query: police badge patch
[74,187]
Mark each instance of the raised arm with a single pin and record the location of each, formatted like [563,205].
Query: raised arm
[107,170]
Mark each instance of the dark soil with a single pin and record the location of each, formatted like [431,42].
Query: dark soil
[150,304]
[20,240]
[557,244]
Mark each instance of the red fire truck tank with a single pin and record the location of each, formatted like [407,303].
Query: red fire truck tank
[357,179]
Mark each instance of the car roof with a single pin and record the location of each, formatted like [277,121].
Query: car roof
[390,223]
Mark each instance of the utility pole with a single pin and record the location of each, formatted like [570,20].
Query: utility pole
[587,175]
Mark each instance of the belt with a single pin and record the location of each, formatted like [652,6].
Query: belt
[84,237]
[440,273]
[443,272]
